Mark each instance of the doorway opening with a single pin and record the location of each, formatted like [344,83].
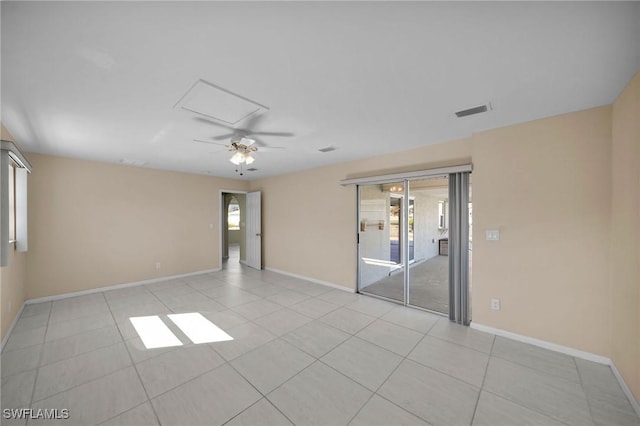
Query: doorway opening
[396,205]
[233,214]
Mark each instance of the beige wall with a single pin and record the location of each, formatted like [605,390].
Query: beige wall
[13,288]
[12,277]
[545,185]
[625,235]
[94,224]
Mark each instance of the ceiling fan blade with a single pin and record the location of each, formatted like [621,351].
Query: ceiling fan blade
[215,123]
[264,147]
[253,121]
[212,143]
[282,134]
[271,149]
[223,137]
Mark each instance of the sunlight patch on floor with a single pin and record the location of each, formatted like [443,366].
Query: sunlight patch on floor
[198,328]
[154,333]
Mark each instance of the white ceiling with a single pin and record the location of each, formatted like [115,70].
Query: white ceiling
[100,80]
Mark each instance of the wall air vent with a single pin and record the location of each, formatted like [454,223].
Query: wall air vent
[475,110]
[328,149]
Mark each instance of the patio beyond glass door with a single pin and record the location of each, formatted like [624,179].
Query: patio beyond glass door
[429,273]
[414,243]
[380,241]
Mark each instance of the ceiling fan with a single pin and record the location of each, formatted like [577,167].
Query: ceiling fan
[243,141]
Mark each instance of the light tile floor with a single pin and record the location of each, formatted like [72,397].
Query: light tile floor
[302,354]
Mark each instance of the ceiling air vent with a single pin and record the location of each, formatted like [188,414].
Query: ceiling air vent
[475,110]
[252,169]
[327,149]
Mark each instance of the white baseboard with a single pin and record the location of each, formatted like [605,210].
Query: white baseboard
[116,287]
[313,280]
[634,403]
[13,324]
[576,353]
[543,344]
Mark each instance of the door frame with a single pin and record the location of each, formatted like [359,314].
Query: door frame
[221,220]
[404,250]
[403,205]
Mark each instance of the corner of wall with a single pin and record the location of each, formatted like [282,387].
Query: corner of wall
[625,235]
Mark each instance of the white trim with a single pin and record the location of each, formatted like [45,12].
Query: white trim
[576,353]
[117,286]
[417,174]
[313,280]
[15,154]
[634,403]
[543,344]
[13,324]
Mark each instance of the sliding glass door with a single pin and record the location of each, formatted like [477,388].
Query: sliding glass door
[380,247]
[429,274]
[405,252]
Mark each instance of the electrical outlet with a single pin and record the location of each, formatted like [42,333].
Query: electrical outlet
[495,304]
[157,265]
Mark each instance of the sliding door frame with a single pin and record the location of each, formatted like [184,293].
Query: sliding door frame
[406,179]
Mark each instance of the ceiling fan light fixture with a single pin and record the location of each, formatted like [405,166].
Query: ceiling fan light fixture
[237,158]
[249,159]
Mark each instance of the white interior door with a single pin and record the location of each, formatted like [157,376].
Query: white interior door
[254,230]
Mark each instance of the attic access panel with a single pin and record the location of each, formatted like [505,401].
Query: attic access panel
[218,103]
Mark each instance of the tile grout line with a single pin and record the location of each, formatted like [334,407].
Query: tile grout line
[375,392]
[133,364]
[75,320]
[548,416]
[520,404]
[124,412]
[263,396]
[35,379]
[406,357]
[586,395]
[80,353]
[83,383]
[317,360]
[484,377]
